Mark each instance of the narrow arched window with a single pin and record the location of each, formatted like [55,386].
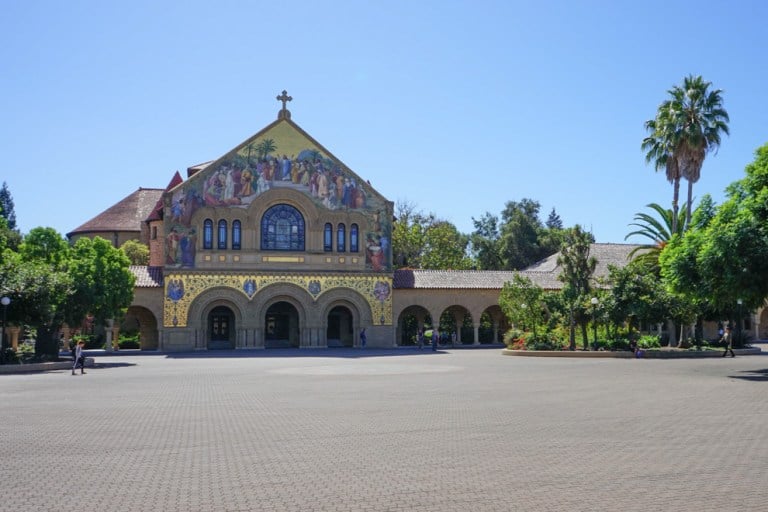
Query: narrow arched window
[208,234]
[328,238]
[282,229]
[222,234]
[236,235]
[354,245]
[341,241]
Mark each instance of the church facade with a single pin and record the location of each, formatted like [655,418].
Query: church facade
[278,244]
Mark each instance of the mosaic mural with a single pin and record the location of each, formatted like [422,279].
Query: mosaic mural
[181,290]
[279,158]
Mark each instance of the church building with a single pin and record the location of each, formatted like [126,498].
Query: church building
[278,244]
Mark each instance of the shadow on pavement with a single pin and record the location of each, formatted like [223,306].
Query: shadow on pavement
[753,375]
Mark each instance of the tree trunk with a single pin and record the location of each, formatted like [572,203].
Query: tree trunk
[675,203]
[688,205]
[584,335]
[572,331]
[46,346]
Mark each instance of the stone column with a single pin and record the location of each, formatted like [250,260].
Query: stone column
[476,327]
[108,334]
[116,337]
[12,331]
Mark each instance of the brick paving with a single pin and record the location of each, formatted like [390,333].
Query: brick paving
[341,430]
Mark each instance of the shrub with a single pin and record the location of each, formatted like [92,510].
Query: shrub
[648,341]
[619,344]
[129,341]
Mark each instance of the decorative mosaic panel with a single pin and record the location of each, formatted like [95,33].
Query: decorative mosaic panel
[182,289]
[280,158]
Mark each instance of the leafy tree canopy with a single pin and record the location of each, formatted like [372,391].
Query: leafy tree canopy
[137,253]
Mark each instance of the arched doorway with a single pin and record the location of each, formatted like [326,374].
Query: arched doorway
[340,331]
[411,320]
[281,326]
[221,328]
[140,321]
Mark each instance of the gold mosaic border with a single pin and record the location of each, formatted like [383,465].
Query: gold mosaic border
[176,312]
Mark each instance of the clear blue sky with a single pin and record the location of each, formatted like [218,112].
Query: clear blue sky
[457,107]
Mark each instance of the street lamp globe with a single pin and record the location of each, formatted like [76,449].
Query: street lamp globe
[594,301]
[5,301]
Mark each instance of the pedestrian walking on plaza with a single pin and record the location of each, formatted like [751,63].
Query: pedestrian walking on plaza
[363,338]
[727,339]
[435,338]
[79,358]
[420,337]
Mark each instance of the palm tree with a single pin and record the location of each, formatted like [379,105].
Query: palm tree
[687,127]
[658,230]
[659,151]
[700,119]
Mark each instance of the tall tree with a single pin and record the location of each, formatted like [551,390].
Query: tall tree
[520,231]
[577,270]
[445,248]
[687,127]
[6,206]
[554,221]
[699,120]
[485,243]
[659,149]
[136,251]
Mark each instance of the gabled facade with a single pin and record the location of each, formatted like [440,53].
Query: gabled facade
[278,244]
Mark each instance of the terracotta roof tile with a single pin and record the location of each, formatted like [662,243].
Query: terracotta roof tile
[126,215]
[147,277]
[158,209]
[543,273]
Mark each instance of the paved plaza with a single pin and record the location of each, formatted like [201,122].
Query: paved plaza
[399,430]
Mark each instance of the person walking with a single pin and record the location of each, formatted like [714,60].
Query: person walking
[727,339]
[435,338]
[363,338]
[79,358]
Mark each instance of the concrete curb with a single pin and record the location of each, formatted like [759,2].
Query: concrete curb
[41,367]
[647,354]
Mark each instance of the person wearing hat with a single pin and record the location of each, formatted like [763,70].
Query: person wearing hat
[727,339]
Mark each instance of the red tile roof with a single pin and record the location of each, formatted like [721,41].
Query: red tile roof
[127,215]
[543,273]
[157,211]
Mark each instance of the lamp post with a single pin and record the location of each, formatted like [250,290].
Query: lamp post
[738,321]
[523,306]
[594,302]
[4,301]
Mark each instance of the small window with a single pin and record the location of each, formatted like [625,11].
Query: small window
[208,234]
[328,238]
[154,232]
[236,235]
[353,239]
[222,234]
[341,242]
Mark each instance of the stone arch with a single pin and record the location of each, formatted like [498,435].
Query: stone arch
[141,319]
[202,306]
[410,321]
[292,295]
[492,325]
[354,302]
[762,324]
[457,321]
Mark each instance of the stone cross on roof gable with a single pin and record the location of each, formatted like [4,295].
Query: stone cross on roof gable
[284,112]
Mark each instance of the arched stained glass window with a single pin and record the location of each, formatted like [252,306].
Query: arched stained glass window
[208,234]
[236,235]
[341,241]
[354,245]
[282,229]
[222,238]
[328,238]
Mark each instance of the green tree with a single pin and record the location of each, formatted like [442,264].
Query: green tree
[554,221]
[522,302]
[578,268]
[445,248]
[45,245]
[485,243]
[658,230]
[520,230]
[137,253]
[7,207]
[102,281]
